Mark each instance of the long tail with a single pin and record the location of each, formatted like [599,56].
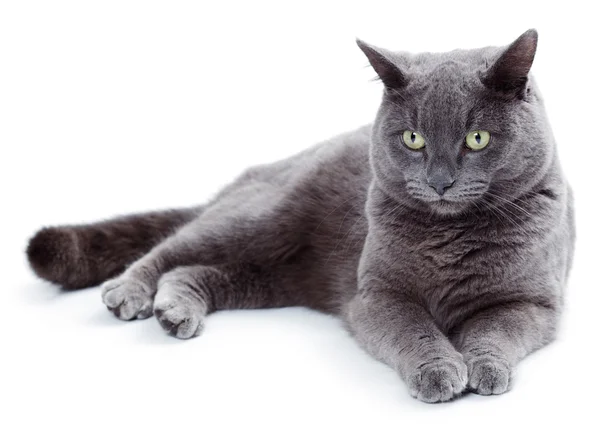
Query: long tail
[85,255]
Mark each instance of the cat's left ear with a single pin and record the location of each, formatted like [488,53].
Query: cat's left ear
[383,62]
[510,71]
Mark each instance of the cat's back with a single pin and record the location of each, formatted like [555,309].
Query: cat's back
[342,155]
[332,162]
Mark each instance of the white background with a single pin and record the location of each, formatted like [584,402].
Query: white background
[111,107]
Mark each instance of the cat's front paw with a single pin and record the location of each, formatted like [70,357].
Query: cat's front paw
[438,380]
[127,298]
[488,375]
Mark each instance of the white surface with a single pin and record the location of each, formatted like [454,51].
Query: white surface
[119,106]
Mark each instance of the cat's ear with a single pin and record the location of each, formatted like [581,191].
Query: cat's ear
[382,61]
[509,72]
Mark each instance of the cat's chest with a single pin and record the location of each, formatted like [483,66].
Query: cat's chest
[459,266]
[433,252]
[451,269]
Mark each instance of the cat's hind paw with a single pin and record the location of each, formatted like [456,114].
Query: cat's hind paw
[127,298]
[178,313]
[179,320]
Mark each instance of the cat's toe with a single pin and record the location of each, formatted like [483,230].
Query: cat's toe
[127,299]
[180,318]
[488,375]
[439,380]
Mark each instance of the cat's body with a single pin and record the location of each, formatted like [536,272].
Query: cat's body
[449,289]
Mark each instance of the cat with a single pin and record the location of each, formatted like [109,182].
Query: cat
[442,234]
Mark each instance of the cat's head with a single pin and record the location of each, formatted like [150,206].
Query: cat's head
[459,128]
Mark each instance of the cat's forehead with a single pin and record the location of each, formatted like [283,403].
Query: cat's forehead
[452,76]
[454,70]
[465,60]
[444,87]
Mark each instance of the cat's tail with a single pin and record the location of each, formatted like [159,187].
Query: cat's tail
[86,255]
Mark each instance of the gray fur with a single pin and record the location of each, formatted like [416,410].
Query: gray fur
[451,291]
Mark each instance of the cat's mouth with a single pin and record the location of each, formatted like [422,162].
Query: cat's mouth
[456,200]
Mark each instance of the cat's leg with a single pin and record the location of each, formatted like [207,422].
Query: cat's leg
[402,334]
[131,295]
[242,227]
[494,340]
[187,294]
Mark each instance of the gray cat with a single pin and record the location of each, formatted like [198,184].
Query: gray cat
[442,234]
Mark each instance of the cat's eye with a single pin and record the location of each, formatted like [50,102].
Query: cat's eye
[413,140]
[477,140]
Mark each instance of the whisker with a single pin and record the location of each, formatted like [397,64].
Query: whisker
[509,202]
[500,211]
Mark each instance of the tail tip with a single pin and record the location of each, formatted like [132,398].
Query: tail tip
[49,251]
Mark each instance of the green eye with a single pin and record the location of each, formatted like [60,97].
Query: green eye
[477,140]
[413,140]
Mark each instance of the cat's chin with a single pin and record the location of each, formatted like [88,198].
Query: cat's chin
[448,208]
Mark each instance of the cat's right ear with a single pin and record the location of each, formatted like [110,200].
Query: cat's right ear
[382,61]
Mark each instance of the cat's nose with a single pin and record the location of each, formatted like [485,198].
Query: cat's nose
[440,184]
